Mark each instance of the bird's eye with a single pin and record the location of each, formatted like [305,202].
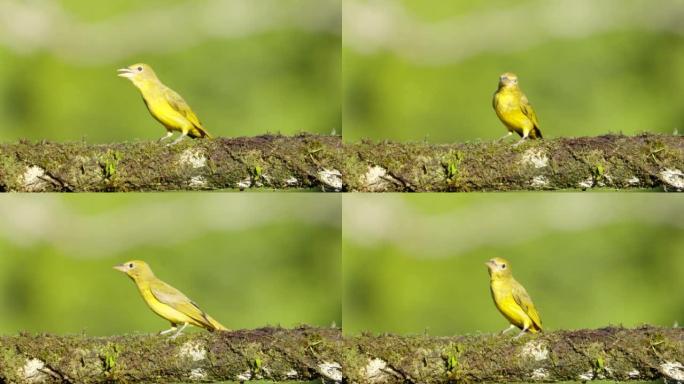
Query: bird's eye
[130,265]
[139,69]
[503,266]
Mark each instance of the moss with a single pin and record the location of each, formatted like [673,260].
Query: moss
[109,356]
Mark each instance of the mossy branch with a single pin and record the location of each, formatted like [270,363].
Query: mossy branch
[270,161]
[611,161]
[615,354]
[273,354]
[277,354]
[322,162]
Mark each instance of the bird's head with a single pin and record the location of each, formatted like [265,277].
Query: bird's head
[135,269]
[498,267]
[508,79]
[137,73]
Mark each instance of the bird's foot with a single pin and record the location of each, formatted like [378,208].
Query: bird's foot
[519,142]
[178,140]
[179,332]
[168,331]
[175,335]
[168,134]
[521,334]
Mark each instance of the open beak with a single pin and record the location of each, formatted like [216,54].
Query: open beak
[121,268]
[125,72]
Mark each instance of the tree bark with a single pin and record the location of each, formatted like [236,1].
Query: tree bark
[277,162]
[274,354]
[646,161]
[616,354]
[611,161]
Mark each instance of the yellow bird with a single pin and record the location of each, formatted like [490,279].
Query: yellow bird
[511,298]
[165,105]
[514,110]
[166,301]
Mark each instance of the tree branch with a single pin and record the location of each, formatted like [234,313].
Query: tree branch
[276,354]
[280,162]
[268,353]
[618,354]
[323,162]
[611,161]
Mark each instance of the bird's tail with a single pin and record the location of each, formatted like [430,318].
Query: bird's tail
[215,325]
[537,133]
[199,132]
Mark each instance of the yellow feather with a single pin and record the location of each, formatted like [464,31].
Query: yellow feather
[165,300]
[514,110]
[164,104]
[511,298]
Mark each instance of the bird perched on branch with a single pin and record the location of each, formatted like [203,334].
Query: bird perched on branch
[166,301]
[165,105]
[511,298]
[514,110]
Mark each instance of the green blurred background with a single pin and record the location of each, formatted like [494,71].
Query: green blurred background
[249,260]
[426,70]
[415,263]
[246,67]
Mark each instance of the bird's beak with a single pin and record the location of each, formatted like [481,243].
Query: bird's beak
[125,72]
[121,268]
[489,264]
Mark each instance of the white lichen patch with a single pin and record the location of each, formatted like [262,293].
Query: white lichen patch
[246,183]
[673,370]
[197,374]
[33,371]
[535,157]
[674,178]
[34,179]
[331,370]
[292,181]
[291,374]
[193,350]
[197,182]
[535,350]
[244,376]
[194,158]
[539,181]
[376,179]
[375,371]
[540,374]
[633,374]
[588,183]
[331,178]
[633,180]
[586,376]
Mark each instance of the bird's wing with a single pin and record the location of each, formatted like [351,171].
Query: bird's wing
[176,102]
[528,111]
[177,300]
[525,302]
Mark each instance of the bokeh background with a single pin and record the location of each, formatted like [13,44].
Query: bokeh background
[249,260]
[426,70]
[415,263]
[246,67]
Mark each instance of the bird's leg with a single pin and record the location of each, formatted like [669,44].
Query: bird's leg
[510,328]
[172,329]
[524,331]
[524,138]
[506,136]
[168,134]
[178,333]
[181,137]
